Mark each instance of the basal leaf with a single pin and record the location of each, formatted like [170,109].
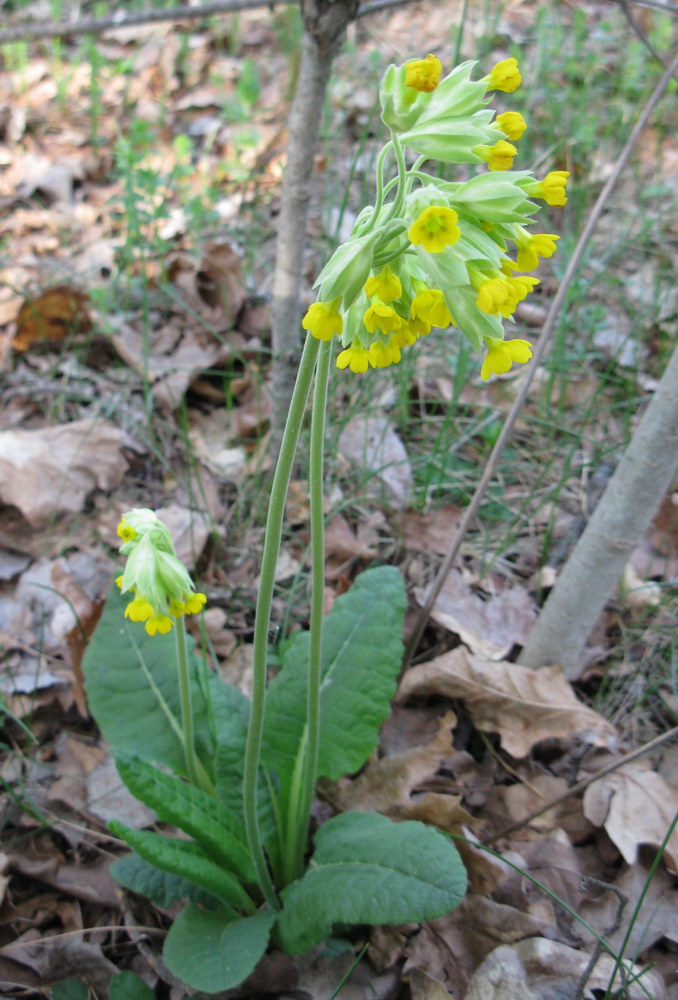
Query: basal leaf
[129,986]
[142,877]
[211,953]
[361,655]
[131,682]
[368,870]
[187,860]
[212,824]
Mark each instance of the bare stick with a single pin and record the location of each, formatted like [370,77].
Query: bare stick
[124,19]
[583,784]
[542,344]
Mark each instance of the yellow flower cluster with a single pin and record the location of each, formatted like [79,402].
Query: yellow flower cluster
[440,247]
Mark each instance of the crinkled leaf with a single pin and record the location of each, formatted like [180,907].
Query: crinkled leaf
[187,860]
[361,655]
[368,870]
[142,877]
[210,952]
[198,814]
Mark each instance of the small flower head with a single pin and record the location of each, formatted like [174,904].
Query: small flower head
[386,286]
[429,307]
[496,297]
[160,586]
[532,247]
[504,76]
[498,157]
[323,320]
[512,124]
[503,354]
[382,318]
[551,189]
[125,531]
[435,229]
[423,74]
[382,355]
[354,357]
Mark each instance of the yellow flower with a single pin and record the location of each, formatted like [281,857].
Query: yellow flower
[354,357]
[552,188]
[503,354]
[496,297]
[385,285]
[158,623]
[531,248]
[194,603]
[512,124]
[382,318]
[125,531]
[409,332]
[429,306]
[423,74]
[522,285]
[498,157]
[435,229]
[505,76]
[323,320]
[383,355]
[139,610]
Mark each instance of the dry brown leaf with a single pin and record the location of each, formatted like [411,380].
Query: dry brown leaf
[425,987]
[657,917]
[490,627]
[636,806]
[524,706]
[433,531]
[51,316]
[386,785]
[502,976]
[373,446]
[51,471]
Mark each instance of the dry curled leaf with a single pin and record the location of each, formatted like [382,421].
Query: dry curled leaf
[636,806]
[490,627]
[524,706]
[372,444]
[51,317]
[51,471]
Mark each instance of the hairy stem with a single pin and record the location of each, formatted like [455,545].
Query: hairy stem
[269,560]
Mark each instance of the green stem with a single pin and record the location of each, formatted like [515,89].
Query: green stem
[269,559]
[185,702]
[302,797]
[397,202]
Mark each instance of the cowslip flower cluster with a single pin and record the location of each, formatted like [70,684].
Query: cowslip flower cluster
[160,586]
[439,253]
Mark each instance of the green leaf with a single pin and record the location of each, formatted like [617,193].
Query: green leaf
[69,989]
[164,889]
[188,860]
[211,953]
[361,656]
[131,681]
[198,814]
[129,986]
[368,870]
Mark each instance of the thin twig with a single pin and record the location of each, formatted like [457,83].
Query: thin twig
[598,948]
[124,19]
[540,350]
[626,7]
[583,784]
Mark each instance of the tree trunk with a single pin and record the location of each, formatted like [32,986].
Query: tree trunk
[325,23]
[617,525]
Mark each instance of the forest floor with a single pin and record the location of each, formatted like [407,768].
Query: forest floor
[140,175]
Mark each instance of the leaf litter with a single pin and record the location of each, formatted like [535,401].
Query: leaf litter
[475,742]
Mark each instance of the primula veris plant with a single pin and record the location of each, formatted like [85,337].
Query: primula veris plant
[238,775]
[461,243]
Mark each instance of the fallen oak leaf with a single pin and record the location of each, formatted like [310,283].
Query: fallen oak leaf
[51,316]
[51,470]
[636,806]
[524,706]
